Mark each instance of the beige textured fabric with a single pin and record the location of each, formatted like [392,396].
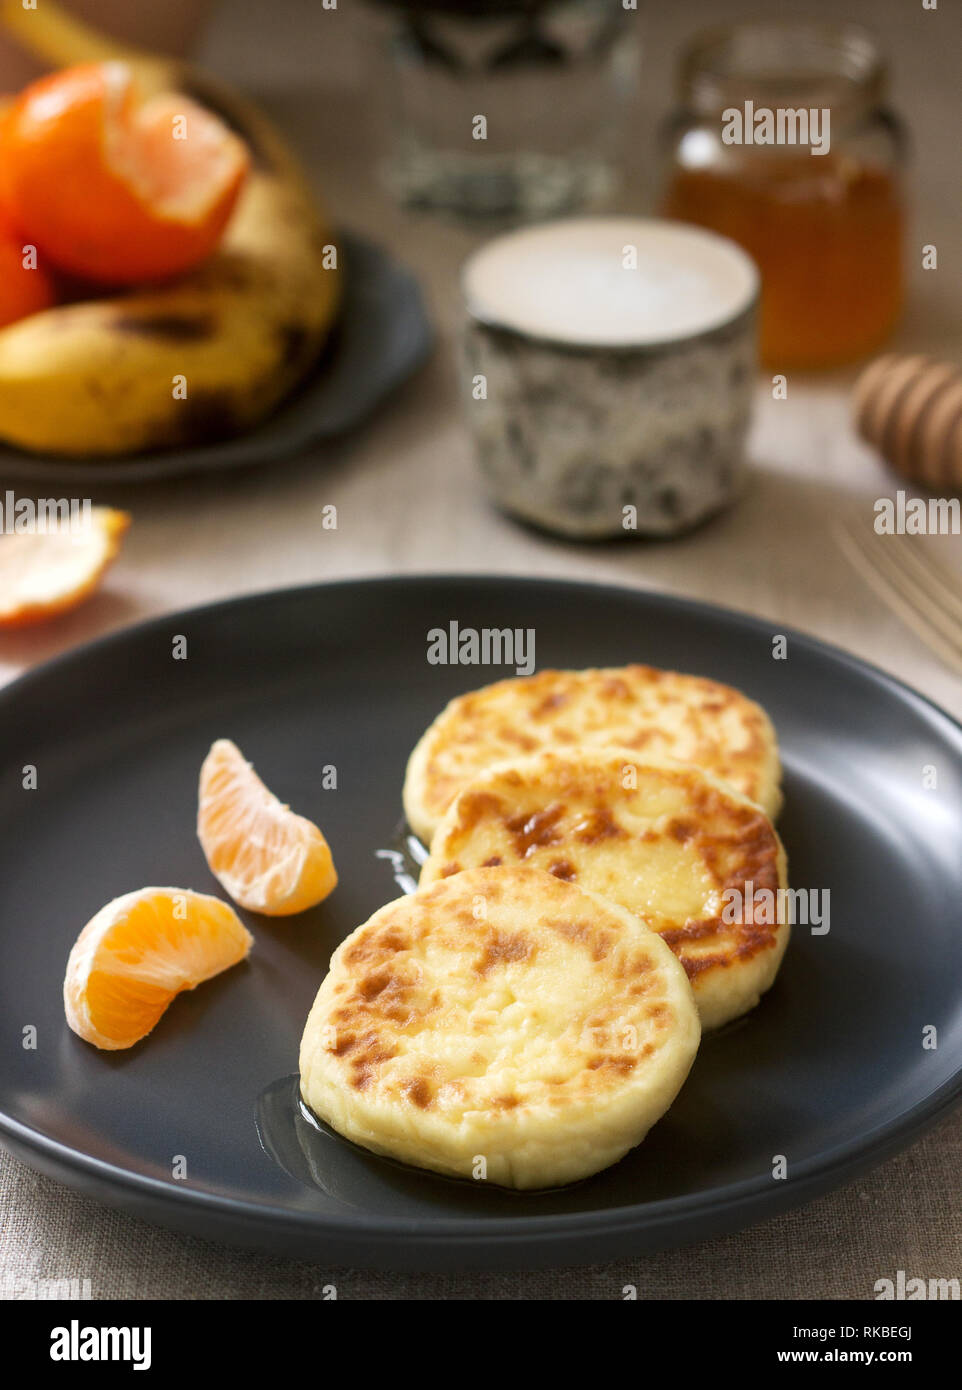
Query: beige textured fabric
[904,1215]
[409,500]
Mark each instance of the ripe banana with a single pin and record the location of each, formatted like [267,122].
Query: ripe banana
[205,357]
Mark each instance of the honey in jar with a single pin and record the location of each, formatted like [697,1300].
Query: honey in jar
[822,216]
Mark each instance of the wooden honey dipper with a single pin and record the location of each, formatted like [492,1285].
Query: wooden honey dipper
[910,409]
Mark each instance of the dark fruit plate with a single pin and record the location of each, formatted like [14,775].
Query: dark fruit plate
[381,338]
[829,1072]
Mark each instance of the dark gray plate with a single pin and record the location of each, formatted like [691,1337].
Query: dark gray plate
[829,1071]
[382,337]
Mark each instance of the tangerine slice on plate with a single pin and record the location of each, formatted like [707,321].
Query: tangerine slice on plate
[138,953]
[45,572]
[267,858]
[113,191]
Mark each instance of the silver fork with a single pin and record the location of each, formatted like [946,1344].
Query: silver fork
[923,592]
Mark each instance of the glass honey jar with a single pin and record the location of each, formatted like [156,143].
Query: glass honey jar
[784,143]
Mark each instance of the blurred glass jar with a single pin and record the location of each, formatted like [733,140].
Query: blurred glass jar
[504,109]
[824,218]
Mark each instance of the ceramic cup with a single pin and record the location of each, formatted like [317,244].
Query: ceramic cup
[607,373]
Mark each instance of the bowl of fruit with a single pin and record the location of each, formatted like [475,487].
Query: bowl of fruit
[173,297]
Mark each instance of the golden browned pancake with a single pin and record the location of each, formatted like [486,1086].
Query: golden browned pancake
[654,713]
[501,1025]
[666,840]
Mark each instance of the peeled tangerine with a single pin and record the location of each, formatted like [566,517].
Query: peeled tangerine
[267,858]
[138,953]
[114,190]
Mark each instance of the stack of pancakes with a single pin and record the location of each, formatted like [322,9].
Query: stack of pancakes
[598,842]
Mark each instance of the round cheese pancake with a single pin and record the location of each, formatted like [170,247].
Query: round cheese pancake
[668,841]
[500,1025]
[654,713]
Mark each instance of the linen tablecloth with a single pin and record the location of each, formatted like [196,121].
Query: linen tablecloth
[408,501]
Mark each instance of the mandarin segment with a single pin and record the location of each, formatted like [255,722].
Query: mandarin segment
[138,953]
[46,572]
[269,859]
